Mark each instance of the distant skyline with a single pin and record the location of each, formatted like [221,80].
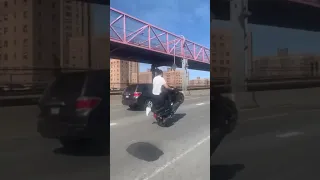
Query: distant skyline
[184,17]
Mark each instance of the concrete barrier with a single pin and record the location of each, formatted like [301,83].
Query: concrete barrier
[292,97]
[309,97]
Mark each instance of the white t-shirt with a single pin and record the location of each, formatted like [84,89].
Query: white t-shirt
[158,82]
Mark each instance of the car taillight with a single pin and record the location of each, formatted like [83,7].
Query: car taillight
[155,115]
[136,94]
[87,103]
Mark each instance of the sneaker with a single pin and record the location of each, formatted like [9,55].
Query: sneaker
[148,110]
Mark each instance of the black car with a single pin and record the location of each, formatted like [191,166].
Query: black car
[75,110]
[138,96]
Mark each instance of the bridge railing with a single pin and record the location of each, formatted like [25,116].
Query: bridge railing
[128,30]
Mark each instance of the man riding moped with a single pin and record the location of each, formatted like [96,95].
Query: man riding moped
[161,91]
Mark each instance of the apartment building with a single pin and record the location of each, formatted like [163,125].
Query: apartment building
[284,64]
[199,82]
[145,77]
[35,34]
[173,78]
[123,73]
[221,49]
[79,52]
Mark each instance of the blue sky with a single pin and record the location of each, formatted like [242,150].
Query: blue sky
[267,39]
[192,19]
[182,17]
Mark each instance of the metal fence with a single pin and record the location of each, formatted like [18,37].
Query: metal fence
[26,81]
[121,86]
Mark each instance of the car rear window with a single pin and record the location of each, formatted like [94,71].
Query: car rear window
[131,88]
[144,87]
[68,83]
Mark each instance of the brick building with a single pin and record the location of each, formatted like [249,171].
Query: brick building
[123,73]
[35,34]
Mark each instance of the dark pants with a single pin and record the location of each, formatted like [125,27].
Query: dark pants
[162,100]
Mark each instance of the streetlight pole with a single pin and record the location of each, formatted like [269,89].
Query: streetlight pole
[239,66]
[89,36]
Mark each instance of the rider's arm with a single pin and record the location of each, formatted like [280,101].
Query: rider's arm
[165,84]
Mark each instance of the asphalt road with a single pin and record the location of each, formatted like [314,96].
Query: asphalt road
[269,144]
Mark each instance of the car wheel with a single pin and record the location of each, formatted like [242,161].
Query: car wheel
[148,103]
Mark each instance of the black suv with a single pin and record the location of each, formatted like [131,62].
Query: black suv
[138,96]
[75,110]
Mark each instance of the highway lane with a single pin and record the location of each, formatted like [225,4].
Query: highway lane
[273,143]
[25,155]
[281,145]
[142,150]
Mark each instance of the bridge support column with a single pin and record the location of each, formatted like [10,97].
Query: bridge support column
[239,65]
[185,76]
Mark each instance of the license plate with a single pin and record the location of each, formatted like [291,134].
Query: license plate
[55,111]
[127,96]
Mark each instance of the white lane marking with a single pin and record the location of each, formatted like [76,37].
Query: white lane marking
[289,134]
[113,124]
[160,169]
[199,104]
[311,110]
[267,117]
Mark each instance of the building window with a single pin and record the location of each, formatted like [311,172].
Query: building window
[68,14]
[68,8]
[5,57]
[25,42]
[222,62]
[227,53]
[25,28]
[25,1]
[5,44]
[6,4]
[54,17]
[5,17]
[53,5]
[228,62]
[39,1]
[25,14]
[39,56]
[25,56]
[222,37]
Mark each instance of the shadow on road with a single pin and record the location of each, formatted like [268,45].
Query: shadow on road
[175,118]
[135,109]
[144,151]
[225,172]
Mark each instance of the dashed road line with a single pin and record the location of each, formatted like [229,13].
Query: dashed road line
[289,134]
[169,163]
[199,104]
[267,117]
[113,124]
